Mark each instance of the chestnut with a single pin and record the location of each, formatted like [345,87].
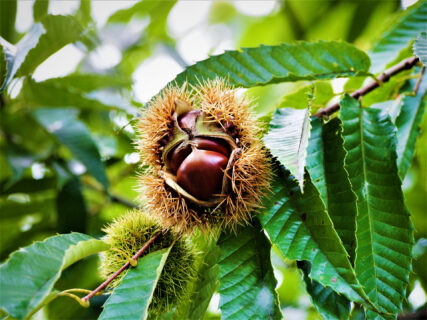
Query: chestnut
[202,172]
[179,154]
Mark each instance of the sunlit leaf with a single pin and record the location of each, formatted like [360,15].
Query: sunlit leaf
[398,37]
[58,31]
[131,299]
[15,55]
[64,125]
[7,19]
[408,126]
[83,14]
[299,226]
[274,64]
[89,82]
[247,283]
[316,95]
[40,9]
[287,139]
[420,47]
[384,232]
[325,163]
[29,275]
[50,93]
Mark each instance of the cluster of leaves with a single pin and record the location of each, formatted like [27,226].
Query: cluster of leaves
[336,207]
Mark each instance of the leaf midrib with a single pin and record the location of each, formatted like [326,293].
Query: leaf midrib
[369,213]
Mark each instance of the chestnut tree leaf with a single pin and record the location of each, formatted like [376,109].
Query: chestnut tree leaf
[299,226]
[7,19]
[15,55]
[408,125]
[420,47]
[40,9]
[28,276]
[63,124]
[3,66]
[206,283]
[89,82]
[287,139]
[325,163]
[131,299]
[247,283]
[327,302]
[384,231]
[56,32]
[264,65]
[60,94]
[398,37]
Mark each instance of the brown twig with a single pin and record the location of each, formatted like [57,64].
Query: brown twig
[123,201]
[125,266]
[383,77]
[417,85]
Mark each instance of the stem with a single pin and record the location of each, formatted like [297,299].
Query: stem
[125,266]
[127,203]
[417,85]
[383,77]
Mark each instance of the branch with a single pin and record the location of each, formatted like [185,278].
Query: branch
[125,266]
[383,77]
[123,201]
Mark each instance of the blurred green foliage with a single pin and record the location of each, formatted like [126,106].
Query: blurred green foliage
[67,159]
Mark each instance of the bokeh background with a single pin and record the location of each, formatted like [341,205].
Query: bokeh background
[130,51]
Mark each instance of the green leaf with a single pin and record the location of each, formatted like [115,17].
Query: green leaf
[7,19]
[58,32]
[327,302]
[325,163]
[206,284]
[299,226]
[420,47]
[247,283]
[3,67]
[274,64]
[63,124]
[287,139]
[131,299]
[71,207]
[15,209]
[139,9]
[83,14]
[29,275]
[19,160]
[90,82]
[50,93]
[15,55]
[321,91]
[398,37]
[384,232]
[40,9]
[408,126]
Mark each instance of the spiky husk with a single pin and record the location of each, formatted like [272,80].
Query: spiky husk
[129,233]
[251,173]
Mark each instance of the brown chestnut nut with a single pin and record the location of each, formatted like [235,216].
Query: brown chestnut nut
[179,154]
[177,157]
[212,145]
[202,172]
